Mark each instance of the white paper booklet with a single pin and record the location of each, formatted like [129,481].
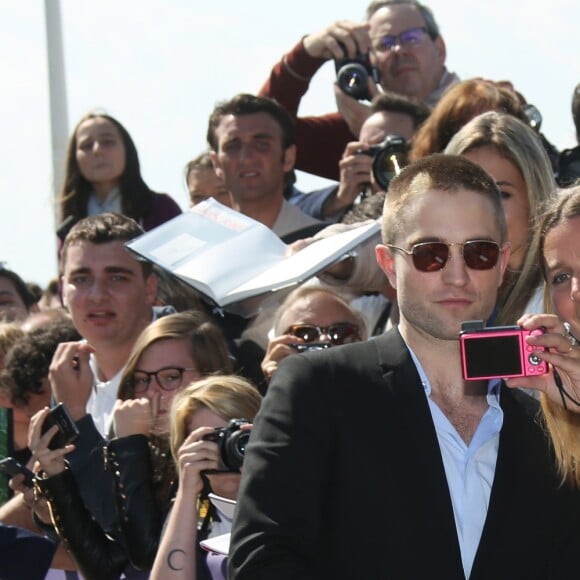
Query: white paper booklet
[230,257]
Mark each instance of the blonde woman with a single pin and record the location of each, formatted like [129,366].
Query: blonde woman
[197,411]
[558,241]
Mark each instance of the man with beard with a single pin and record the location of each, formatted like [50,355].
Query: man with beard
[377,459]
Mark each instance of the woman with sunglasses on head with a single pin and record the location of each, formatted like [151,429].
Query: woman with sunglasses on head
[197,412]
[311,318]
[168,355]
[558,240]
[103,174]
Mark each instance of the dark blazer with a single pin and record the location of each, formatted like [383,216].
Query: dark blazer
[343,478]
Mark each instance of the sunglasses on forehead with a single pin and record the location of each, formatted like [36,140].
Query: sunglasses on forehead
[339,333]
[432,256]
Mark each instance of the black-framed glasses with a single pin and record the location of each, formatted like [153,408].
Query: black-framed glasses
[168,378]
[432,256]
[406,39]
[339,333]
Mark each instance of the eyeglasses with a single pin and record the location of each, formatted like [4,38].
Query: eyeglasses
[339,333]
[406,39]
[432,256]
[168,378]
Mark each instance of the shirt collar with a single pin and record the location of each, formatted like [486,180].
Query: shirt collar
[493,385]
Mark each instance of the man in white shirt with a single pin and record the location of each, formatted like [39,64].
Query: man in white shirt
[378,459]
[252,142]
[110,295]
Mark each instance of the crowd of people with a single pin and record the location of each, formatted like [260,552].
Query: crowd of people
[335,421]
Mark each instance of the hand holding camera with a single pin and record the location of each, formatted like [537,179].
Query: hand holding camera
[278,349]
[196,456]
[355,173]
[339,40]
[559,348]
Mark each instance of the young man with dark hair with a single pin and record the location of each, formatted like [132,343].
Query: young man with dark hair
[253,151]
[378,459]
[110,295]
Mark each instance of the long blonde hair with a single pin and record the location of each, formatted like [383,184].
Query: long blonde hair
[563,425]
[517,143]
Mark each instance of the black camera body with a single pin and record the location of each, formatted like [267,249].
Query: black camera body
[308,346]
[389,157]
[232,441]
[352,76]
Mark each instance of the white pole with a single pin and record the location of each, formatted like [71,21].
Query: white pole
[57,91]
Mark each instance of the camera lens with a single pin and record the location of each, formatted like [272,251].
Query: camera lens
[352,79]
[389,159]
[235,450]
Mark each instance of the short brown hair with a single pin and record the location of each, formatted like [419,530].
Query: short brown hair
[246,104]
[389,102]
[436,172]
[101,229]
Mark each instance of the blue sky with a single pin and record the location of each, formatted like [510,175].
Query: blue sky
[159,66]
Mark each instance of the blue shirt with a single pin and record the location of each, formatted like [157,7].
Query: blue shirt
[469,468]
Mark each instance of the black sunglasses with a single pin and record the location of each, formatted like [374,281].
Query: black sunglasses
[432,256]
[339,333]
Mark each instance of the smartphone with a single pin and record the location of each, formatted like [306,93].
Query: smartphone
[10,467]
[67,430]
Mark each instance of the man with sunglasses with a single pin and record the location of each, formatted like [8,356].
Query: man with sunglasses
[377,459]
[311,318]
[405,45]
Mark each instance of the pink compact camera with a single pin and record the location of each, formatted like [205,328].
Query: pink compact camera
[498,352]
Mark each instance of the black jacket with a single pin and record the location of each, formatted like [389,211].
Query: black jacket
[105,552]
[343,478]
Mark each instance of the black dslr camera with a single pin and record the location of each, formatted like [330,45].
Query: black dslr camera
[389,158]
[352,75]
[232,443]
